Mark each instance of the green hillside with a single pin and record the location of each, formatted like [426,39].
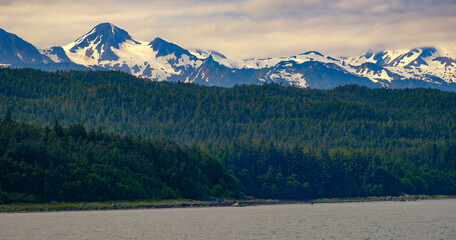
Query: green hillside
[280,142]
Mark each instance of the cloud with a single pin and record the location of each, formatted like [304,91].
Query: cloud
[5,2]
[242,28]
[271,7]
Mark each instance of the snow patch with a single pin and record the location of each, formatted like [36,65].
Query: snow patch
[295,79]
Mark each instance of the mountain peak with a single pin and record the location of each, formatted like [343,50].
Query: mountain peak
[164,48]
[312,52]
[101,38]
[106,25]
[107,33]
[204,53]
[111,29]
[102,28]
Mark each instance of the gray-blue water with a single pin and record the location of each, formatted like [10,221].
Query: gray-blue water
[432,219]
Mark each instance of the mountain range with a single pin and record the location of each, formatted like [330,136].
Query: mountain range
[107,47]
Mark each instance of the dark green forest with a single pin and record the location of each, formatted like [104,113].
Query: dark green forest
[40,164]
[278,142]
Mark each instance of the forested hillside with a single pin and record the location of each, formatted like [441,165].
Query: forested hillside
[280,142]
[40,164]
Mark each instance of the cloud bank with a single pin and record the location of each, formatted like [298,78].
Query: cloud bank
[242,28]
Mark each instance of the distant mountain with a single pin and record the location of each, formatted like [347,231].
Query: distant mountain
[429,64]
[14,50]
[107,47]
[111,48]
[102,39]
[313,74]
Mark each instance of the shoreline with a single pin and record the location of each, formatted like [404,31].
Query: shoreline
[159,204]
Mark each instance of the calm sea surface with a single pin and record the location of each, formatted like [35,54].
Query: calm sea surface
[433,219]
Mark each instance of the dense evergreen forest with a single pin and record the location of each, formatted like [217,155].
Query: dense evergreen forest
[40,164]
[279,142]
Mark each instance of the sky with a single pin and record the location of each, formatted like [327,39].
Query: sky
[242,28]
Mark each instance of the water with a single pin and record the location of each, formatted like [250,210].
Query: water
[433,219]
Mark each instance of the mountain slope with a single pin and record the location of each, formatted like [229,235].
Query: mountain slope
[14,50]
[56,54]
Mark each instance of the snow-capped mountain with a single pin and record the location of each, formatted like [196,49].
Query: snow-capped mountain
[427,64]
[303,72]
[107,47]
[112,48]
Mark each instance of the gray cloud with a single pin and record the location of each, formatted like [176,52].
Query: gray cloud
[242,28]
[5,2]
